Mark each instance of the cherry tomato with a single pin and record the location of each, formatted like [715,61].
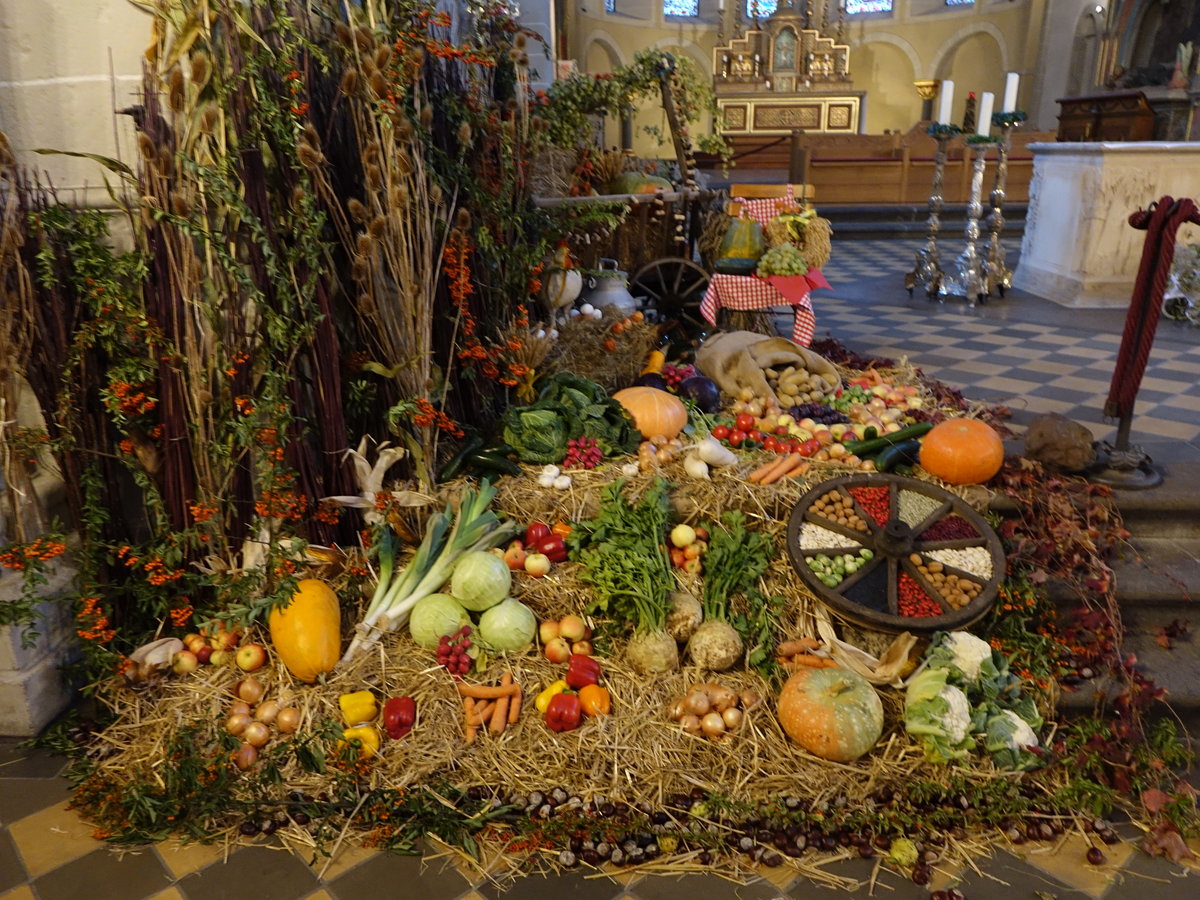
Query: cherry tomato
[721,432]
[771,445]
[737,437]
[744,422]
[755,435]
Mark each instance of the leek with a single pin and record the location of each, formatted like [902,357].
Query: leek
[448,535]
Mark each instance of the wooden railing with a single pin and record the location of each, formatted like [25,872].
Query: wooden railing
[878,168]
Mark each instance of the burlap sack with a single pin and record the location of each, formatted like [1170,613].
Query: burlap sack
[1060,443]
[736,359]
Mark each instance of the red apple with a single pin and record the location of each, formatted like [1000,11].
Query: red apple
[547,631]
[221,636]
[205,654]
[537,564]
[582,648]
[514,556]
[557,650]
[251,657]
[573,628]
[183,662]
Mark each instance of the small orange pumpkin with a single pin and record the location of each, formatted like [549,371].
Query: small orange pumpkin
[962,451]
[832,713]
[653,411]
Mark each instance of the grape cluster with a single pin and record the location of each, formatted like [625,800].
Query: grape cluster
[847,397]
[675,375]
[782,260]
[452,651]
[818,412]
[583,453]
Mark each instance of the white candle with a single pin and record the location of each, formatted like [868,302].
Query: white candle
[985,113]
[720,5]
[945,101]
[1010,92]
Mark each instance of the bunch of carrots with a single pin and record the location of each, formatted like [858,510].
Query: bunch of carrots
[492,706]
[804,653]
[790,466]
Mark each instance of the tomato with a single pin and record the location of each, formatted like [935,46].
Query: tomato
[721,432]
[810,447]
[781,430]
[744,422]
[771,445]
[736,437]
[755,435]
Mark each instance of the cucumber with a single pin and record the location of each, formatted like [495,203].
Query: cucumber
[454,466]
[875,445]
[489,464]
[889,457]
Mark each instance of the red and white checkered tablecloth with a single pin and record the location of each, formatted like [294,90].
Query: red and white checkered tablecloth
[746,292]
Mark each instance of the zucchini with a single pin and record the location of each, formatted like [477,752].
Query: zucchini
[875,445]
[889,457]
[454,466]
[490,464]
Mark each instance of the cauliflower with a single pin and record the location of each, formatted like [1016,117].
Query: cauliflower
[963,653]
[938,715]
[1008,734]
[1014,731]
[957,717]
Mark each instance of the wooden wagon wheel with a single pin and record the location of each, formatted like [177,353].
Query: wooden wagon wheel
[673,287]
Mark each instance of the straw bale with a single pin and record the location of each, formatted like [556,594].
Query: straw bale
[580,349]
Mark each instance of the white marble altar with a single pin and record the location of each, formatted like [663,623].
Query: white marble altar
[1079,248]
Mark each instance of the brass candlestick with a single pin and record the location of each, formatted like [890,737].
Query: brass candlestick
[968,279]
[999,276]
[927,273]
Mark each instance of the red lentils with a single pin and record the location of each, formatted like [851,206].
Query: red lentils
[911,599]
[873,501]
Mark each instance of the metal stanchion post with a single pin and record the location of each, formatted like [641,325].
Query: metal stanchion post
[968,278]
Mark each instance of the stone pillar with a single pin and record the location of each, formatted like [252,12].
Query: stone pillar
[32,689]
[538,15]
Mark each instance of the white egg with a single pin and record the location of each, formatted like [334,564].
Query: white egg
[574,313]
[587,309]
[541,333]
[552,334]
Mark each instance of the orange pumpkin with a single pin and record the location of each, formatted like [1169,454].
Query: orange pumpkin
[962,451]
[654,412]
[832,713]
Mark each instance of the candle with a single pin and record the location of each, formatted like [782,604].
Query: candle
[1010,92]
[985,113]
[720,5]
[945,102]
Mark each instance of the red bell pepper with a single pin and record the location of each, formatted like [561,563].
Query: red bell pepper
[399,715]
[536,531]
[564,712]
[553,546]
[582,670]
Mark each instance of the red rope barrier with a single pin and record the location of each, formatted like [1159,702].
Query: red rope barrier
[1162,222]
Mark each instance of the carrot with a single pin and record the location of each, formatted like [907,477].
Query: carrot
[500,713]
[487,691]
[789,462]
[483,712]
[763,469]
[799,645]
[514,709]
[801,469]
[807,660]
[469,708]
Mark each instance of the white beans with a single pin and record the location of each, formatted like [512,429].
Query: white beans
[814,537]
[976,560]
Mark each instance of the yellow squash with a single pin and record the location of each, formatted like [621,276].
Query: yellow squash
[307,631]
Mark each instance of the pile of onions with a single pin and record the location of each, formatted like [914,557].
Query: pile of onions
[712,710]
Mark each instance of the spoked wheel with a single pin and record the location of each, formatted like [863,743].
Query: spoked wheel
[673,287]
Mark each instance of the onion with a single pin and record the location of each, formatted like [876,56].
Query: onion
[697,703]
[288,719]
[676,710]
[245,756]
[712,725]
[690,724]
[267,712]
[249,689]
[732,718]
[256,734]
[750,699]
[722,698]
[240,707]
[236,723]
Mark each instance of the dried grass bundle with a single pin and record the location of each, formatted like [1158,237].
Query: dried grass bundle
[590,348]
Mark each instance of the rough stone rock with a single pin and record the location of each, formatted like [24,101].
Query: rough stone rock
[1060,443]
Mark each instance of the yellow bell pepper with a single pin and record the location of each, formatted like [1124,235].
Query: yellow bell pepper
[358,707]
[365,737]
[543,699]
